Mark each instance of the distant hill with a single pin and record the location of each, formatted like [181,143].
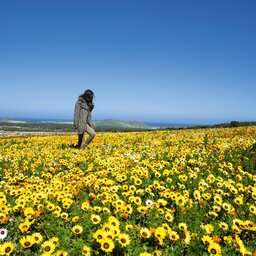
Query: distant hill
[227,125]
[8,124]
[5,119]
[113,124]
[236,124]
[11,125]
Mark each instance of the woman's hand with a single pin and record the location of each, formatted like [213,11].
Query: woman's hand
[91,106]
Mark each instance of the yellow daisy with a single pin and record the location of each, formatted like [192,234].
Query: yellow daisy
[169,217]
[24,227]
[107,245]
[187,238]
[217,199]
[227,207]
[75,219]
[174,236]
[160,234]
[61,253]
[214,249]
[145,254]
[207,240]
[250,225]
[252,209]
[180,200]
[85,206]
[29,212]
[105,210]
[96,219]
[166,228]
[124,239]
[145,233]
[77,229]
[110,234]
[6,248]
[38,237]
[113,221]
[223,225]
[27,241]
[50,206]
[48,247]
[183,226]
[128,227]
[64,216]
[137,200]
[55,240]
[86,251]
[157,253]
[99,235]
[239,200]
[209,228]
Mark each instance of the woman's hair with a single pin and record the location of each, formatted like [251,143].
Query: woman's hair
[88,96]
[89,91]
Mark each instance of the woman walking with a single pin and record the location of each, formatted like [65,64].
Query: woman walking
[82,118]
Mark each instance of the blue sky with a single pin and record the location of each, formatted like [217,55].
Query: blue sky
[187,61]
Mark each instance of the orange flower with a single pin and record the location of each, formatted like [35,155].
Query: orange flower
[38,213]
[125,215]
[80,184]
[232,213]
[51,195]
[216,239]
[183,209]
[4,220]
[75,192]
[152,231]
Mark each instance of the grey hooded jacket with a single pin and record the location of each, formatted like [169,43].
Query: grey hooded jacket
[82,115]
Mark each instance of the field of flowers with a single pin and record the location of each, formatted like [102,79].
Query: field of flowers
[181,192]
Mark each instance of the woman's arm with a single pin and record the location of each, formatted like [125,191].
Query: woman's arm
[76,114]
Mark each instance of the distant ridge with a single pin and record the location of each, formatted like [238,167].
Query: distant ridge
[115,123]
[38,125]
[9,124]
[6,119]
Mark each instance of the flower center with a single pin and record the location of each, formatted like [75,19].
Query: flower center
[7,249]
[27,244]
[213,251]
[106,245]
[47,248]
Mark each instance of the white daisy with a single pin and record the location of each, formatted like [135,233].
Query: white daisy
[3,233]
[149,202]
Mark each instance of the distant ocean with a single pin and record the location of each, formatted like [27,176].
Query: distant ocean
[39,120]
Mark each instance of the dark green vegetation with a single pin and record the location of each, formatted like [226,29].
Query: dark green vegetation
[231,124]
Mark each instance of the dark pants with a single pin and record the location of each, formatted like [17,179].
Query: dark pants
[91,133]
[80,140]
